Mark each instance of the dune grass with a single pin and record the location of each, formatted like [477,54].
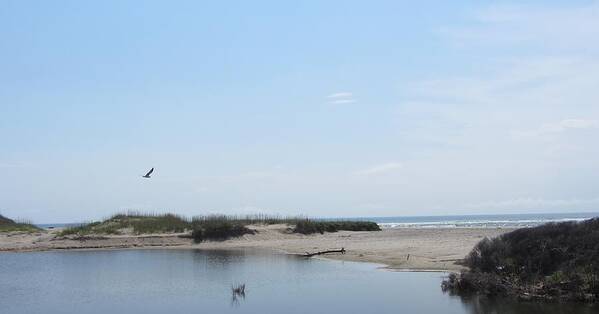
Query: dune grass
[9,225]
[137,223]
[255,219]
[209,227]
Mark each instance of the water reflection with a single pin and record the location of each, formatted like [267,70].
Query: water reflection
[484,305]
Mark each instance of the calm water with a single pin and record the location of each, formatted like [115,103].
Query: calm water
[194,281]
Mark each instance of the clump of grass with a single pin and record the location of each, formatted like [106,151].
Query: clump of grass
[224,227]
[237,292]
[9,225]
[307,226]
[218,229]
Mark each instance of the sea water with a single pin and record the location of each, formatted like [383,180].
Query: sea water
[477,221]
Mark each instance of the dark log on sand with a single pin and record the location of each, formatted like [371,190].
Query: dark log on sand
[342,251]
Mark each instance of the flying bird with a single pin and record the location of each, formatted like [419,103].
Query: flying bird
[148,174]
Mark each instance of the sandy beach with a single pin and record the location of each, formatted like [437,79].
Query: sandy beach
[400,249]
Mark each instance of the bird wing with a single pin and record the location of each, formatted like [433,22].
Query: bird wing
[150,172]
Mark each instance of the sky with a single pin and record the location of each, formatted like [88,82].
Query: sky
[324,109]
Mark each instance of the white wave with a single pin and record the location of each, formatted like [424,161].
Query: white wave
[477,223]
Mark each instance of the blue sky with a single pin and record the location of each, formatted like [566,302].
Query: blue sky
[342,108]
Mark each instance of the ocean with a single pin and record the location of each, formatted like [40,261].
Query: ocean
[477,221]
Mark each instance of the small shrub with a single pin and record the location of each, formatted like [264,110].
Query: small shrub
[308,226]
[555,260]
[237,292]
[219,230]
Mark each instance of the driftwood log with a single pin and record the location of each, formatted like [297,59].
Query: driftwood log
[342,251]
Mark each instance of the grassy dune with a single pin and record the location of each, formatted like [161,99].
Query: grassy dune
[9,225]
[132,222]
[212,227]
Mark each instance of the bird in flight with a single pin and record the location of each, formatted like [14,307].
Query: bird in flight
[148,174]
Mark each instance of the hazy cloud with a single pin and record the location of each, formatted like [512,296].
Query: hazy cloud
[560,127]
[12,165]
[340,95]
[537,204]
[531,25]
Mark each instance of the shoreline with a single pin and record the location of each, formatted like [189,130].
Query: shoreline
[401,249]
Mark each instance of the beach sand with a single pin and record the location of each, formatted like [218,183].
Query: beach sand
[400,249]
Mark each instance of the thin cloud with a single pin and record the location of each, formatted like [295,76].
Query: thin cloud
[201,189]
[340,95]
[380,169]
[578,124]
[524,25]
[560,127]
[12,165]
[342,101]
[341,98]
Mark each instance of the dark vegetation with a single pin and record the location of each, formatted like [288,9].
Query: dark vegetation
[218,230]
[4,220]
[9,225]
[555,261]
[307,226]
[211,227]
